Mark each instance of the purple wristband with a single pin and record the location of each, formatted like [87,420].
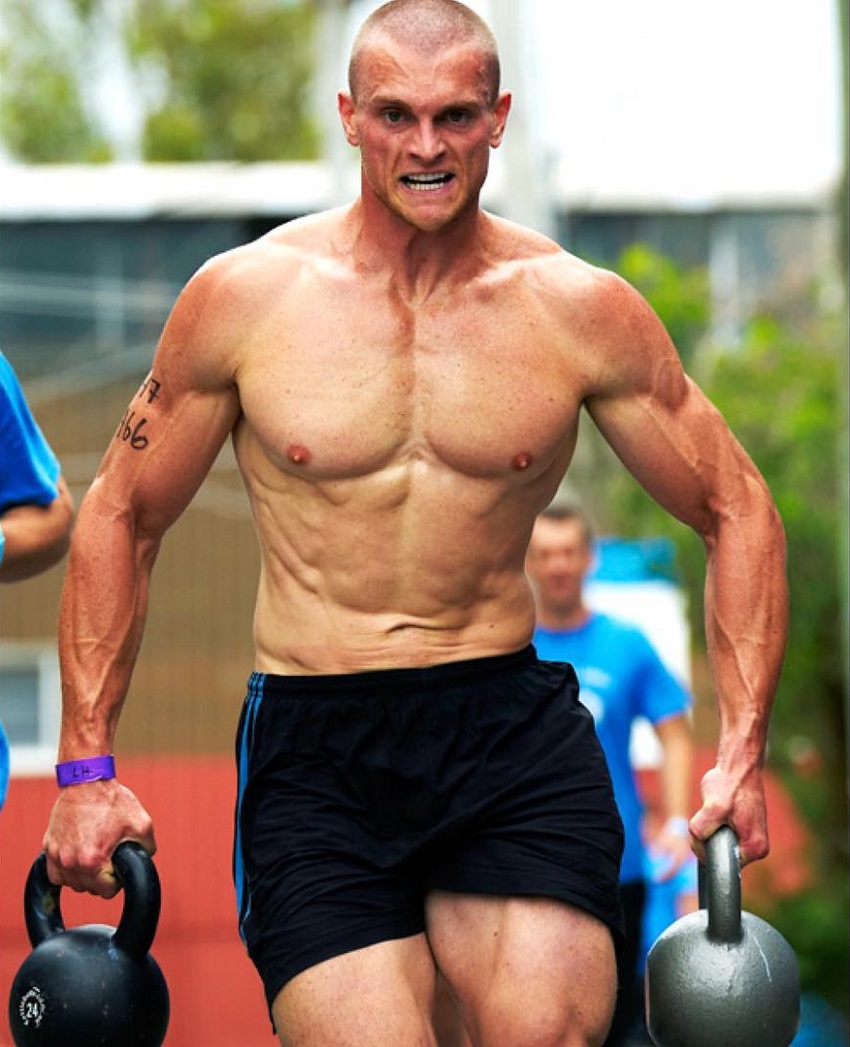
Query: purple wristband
[92,769]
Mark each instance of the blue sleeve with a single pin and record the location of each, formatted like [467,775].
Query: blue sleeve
[28,467]
[661,694]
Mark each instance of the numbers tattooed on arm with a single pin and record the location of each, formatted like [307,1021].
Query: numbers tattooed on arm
[130,428]
[150,387]
[130,431]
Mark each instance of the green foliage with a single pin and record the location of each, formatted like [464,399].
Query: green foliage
[233,79]
[42,113]
[780,393]
[681,298]
[223,80]
[815,923]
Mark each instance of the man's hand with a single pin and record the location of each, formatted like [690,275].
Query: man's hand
[728,799]
[86,825]
[670,849]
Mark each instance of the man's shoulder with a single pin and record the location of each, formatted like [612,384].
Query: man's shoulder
[271,261]
[311,233]
[620,628]
[541,257]
[12,399]
[8,379]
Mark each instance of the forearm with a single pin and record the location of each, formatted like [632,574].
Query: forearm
[673,837]
[677,767]
[101,621]
[36,537]
[746,626]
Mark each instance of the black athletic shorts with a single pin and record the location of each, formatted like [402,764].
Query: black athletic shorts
[359,793]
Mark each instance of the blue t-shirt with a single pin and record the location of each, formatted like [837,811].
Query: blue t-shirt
[621,678]
[28,468]
[28,473]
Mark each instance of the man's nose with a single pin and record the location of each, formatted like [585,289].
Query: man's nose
[427,145]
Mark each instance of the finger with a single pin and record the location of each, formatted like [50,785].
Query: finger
[54,871]
[106,883]
[102,882]
[753,846]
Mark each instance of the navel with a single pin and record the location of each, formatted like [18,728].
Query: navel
[298,454]
[522,460]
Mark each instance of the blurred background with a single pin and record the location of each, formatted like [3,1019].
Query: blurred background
[700,152]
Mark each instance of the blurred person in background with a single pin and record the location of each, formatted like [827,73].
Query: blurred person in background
[36,507]
[621,678]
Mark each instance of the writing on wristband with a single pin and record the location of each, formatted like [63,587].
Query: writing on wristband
[90,769]
[678,825]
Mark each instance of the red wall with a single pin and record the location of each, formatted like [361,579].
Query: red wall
[216,995]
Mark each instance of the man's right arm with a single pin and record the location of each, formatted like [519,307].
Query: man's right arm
[161,451]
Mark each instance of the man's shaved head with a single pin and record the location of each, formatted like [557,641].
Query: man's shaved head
[427,26]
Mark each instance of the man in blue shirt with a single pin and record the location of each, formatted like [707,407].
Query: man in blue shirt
[621,678]
[36,508]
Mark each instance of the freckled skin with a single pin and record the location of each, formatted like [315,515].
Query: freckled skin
[402,381]
[404,377]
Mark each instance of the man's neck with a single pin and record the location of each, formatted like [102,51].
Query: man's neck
[419,260]
[563,621]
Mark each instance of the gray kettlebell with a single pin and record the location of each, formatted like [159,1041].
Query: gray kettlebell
[722,976]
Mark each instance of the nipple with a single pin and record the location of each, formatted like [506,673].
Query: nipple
[522,461]
[298,454]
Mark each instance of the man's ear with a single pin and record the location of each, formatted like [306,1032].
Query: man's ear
[345,105]
[500,118]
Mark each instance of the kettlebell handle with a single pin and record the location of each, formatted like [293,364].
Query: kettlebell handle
[136,873]
[720,886]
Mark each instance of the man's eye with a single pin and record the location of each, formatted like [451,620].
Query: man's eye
[392,116]
[457,116]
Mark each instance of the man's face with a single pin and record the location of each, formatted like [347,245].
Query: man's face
[424,126]
[558,559]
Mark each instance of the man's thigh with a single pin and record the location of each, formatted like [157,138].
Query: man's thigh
[370,997]
[525,970]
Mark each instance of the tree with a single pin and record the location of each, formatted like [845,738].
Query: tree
[232,79]
[211,79]
[43,113]
[680,297]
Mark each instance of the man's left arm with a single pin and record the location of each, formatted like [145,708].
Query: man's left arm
[680,449]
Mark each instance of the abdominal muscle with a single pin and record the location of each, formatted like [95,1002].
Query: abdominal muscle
[410,567]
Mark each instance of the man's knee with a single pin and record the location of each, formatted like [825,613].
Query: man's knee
[545,1022]
[548,1007]
[364,998]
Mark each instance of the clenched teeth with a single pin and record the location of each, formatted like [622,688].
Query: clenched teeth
[427,181]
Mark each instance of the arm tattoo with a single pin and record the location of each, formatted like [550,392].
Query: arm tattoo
[130,428]
[151,387]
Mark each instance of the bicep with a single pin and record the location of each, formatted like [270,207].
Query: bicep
[163,447]
[678,446]
[660,424]
[176,423]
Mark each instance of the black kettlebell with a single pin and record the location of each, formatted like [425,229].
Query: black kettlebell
[722,976]
[91,986]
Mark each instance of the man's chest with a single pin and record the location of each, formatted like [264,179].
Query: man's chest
[355,390]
